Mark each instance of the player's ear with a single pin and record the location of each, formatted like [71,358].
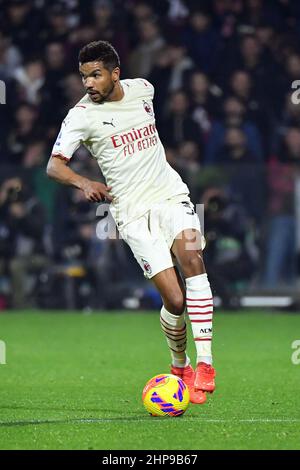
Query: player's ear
[116,74]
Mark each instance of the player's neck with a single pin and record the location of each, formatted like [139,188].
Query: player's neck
[117,93]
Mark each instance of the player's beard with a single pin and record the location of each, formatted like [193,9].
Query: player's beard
[103,97]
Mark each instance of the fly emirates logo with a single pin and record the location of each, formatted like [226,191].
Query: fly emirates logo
[136,139]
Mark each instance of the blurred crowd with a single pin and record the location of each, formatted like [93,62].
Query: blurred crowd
[225,75]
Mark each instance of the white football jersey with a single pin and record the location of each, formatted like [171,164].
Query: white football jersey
[122,136]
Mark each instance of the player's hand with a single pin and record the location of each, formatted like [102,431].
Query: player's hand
[96,192]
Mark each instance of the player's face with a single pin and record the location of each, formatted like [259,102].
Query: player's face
[98,82]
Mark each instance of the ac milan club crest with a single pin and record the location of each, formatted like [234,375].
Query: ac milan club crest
[147,108]
[147,266]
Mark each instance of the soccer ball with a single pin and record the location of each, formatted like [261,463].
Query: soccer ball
[166,395]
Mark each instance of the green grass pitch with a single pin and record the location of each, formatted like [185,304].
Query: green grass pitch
[74,381]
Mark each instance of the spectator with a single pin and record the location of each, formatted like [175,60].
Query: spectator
[30,80]
[160,79]
[235,149]
[258,12]
[59,26]
[25,130]
[186,159]
[260,65]
[10,58]
[179,126]
[52,91]
[35,154]
[168,74]
[256,109]
[73,90]
[143,56]
[245,178]
[290,117]
[22,220]
[234,115]
[289,74]
[109,25]
[201,40]
[280,267]
[251,57]
[230,254]
[22,22]
[181,63]
[205,101]
[188,164]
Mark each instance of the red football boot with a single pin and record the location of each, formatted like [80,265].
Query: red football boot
[205,377]
[187,374]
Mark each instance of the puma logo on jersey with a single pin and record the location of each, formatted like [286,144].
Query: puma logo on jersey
[109,123]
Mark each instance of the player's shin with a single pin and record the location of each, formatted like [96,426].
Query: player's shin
[199,302]
[174,329]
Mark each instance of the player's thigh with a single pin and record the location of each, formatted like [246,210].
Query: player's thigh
[183,235]
[188,252]
[151,252]
[154,257]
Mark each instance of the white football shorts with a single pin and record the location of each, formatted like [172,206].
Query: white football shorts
[151,236]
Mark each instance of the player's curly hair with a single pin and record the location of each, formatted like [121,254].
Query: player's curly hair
[100,51]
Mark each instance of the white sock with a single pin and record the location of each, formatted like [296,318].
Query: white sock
[174,328]
[199,302]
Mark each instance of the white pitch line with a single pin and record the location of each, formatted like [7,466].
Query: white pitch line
[257,420]
[207,420]
[148,420]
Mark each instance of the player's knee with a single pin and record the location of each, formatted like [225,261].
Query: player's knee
[175,304]
[193,265]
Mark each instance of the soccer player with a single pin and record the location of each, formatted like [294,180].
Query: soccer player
[148,200]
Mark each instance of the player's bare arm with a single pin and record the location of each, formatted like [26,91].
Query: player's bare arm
[94,191]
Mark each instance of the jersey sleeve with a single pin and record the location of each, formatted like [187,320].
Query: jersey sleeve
[148,88]
[73,133]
